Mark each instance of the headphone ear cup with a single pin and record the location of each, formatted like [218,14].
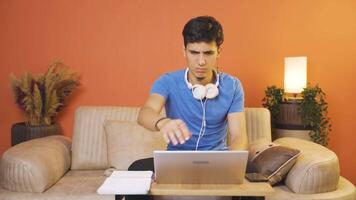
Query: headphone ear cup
[211,91]
[199,92]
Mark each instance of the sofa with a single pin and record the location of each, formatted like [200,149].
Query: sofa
[57,167]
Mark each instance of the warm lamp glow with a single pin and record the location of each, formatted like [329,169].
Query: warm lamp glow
[295,74]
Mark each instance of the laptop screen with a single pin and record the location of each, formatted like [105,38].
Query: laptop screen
[200,167]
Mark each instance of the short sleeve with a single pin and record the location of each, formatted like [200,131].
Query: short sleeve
[160,86]
[237,104]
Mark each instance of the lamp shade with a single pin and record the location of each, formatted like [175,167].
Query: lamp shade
[295,74]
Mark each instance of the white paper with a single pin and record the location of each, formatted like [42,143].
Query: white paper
[127,182]
[131,174]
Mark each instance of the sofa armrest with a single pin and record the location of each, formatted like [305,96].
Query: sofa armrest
[316,170]
[35,165]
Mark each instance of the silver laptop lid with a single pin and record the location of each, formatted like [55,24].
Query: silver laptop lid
[200,167]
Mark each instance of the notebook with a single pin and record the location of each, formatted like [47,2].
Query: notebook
[127,182]
[200,167]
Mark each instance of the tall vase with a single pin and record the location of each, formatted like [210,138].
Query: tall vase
[289,122]
[21,132]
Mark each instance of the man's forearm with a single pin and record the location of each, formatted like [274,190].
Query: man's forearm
[148,118]
[237,130]
[239,144]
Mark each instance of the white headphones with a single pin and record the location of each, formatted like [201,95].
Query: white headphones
[200,92]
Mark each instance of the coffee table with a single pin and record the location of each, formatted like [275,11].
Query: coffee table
[256,189]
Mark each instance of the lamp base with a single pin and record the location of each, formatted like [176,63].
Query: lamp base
[293,97]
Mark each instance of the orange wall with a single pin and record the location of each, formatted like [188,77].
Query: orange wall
[121,47]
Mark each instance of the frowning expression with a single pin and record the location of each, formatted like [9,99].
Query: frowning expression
[201,58]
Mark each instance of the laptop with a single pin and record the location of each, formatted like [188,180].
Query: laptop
[200,167]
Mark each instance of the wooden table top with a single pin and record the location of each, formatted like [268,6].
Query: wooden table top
[245,189]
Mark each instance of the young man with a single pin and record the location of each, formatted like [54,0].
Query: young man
[188,116]
[201,103]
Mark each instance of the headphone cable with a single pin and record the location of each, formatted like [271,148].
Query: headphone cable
[203,124]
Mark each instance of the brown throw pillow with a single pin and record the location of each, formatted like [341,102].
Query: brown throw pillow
[271,160]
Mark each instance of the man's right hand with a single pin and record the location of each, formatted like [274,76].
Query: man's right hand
[174,131]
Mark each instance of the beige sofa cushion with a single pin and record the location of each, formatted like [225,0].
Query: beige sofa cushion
[316,170]
[35,165]
[74,185]
[258,124]
[128,141]
[345,191]
[89,148]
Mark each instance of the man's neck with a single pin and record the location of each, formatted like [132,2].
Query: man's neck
[210,79]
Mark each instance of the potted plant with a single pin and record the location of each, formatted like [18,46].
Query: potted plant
[311,109]
[274,96]
[41,98]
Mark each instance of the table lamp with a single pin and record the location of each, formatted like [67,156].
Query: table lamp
[289,121]
[295,76]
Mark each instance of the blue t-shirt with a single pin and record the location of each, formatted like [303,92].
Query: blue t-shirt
[180,104]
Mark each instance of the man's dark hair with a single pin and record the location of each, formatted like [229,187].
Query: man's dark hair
[203,29]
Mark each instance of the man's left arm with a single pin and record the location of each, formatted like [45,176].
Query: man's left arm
[237,129]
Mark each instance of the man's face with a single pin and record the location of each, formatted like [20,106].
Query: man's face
[201,59]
